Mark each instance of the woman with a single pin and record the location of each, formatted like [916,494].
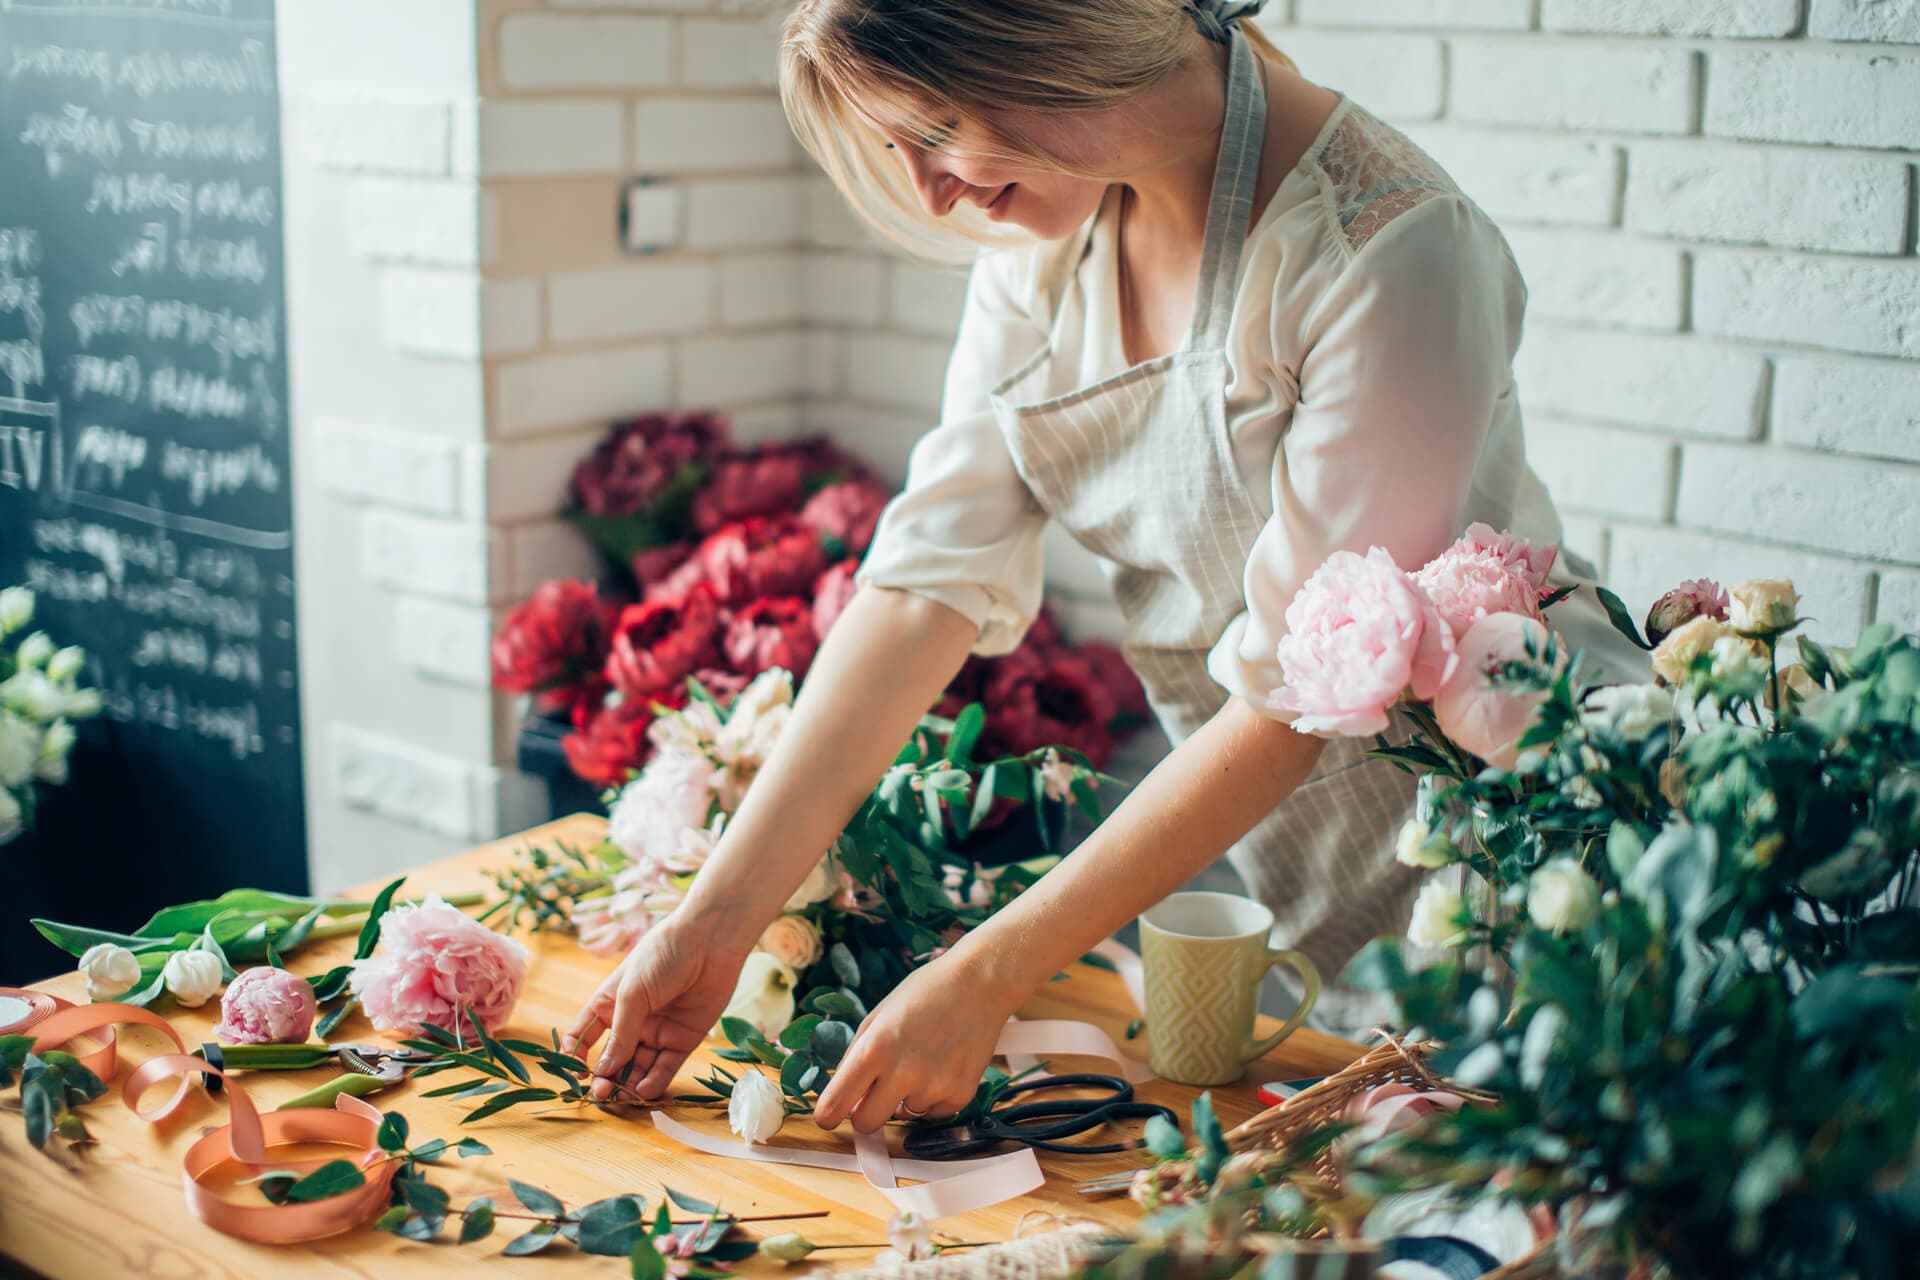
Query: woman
[1241,324]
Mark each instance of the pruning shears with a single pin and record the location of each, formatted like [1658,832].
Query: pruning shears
[365,1068]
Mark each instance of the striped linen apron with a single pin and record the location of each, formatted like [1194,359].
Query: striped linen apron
[1139,469]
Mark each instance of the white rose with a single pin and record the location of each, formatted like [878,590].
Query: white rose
[33,695]
[56,744]
[1633,710]
[192,977]
[756,1110]
[792,940]
[763,995]
[1438,916]
[1561,896]
[1416,847]
[35,650]
[1764,606]
[821,883]
[1736,667]
[12,821]
[19,749]
[111,970]
[16,609]
[65,664]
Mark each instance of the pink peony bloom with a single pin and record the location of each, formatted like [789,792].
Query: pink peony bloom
[1485,572]
[436,963]
[772,633]
[846,512]
[266,1006]
[833,591]
[1472,711]
[1694,598]
[674,792]
[1359,635]
[772,556]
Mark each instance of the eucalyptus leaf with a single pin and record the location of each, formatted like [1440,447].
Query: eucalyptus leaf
[532,1242]
[534,1200]
[477,1222]
[611,1227]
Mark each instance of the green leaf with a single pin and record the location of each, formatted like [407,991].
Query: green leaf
[335,1177]
[845,967]
[477,1223]
[391,1219]
[1164,1139]
[532,1242]
[799,1033]
[370,931]
[500,1102]
[327,986]
[611,1227]
[192,917]
[769,1053]
[966,733]
[38,1105]
[645,1262]
[738,1031]
[471,1147]
[1617,614]
[422,1195]
[430,1150]
[75,939]
[662,1220]
[796,1068]
[839,1004]
[335,1016]
[497,1051]
[690,1204]
[392,1134]
[534,1200]
[296,934]
[830,1042]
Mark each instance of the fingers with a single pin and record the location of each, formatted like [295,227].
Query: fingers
[629,1012]
[660,1072]
[587,1025]
[882,1099]
[851,1080]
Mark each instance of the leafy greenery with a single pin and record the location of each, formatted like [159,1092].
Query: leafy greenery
[51,1084]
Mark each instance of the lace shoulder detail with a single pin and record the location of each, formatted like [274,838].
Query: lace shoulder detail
[1374,173]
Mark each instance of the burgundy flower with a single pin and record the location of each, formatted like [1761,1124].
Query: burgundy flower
[659,644]
[1037,699]
[553,643]
[657,563]
[609,744]
[777,556]
[1111,669]
[832,592]
[641,459]
[744,484]
[1045,631]
[774,632]
[847,513]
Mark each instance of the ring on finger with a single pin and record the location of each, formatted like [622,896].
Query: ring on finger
[910,1112]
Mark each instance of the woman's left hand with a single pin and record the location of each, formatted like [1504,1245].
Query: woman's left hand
[921,1052]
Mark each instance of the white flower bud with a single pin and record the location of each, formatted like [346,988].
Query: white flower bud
[790,1247]
[1633,710]
[12,820]
[1439,916]
[56,744]
[756,1111]
[66,663]
[111,970]
[16,609]
[29,692]
[83,703]
[1416,846]
[19,749]
[1562,897]
[192,977]
[35,650]
[1764,606]
[911,1235]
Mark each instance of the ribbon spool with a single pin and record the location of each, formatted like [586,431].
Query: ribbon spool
[21,1009]
[247,1138]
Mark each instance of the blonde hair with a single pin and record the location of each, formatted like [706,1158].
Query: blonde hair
[964,58]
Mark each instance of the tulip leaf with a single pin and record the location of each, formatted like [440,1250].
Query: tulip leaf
[370,931]
[75,939]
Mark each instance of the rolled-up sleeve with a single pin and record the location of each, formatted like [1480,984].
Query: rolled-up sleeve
[966,531]
[1406,357]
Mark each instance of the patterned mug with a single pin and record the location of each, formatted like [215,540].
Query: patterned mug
[1205,955]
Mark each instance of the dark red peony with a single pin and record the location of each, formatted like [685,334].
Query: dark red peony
[1111,669]
[658,645]
[1037,698]
[774,632]
[833,591]
[657,563]
[608,743]
[846,513]
[777,556]
[645,459]
[552,644]
[749,483]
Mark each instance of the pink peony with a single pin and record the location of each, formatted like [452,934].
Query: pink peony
[674,792]
[772,633]
[1485,572]
[434,965]
[833,591]
[1471,709]
[775,556]
[1694,598]
[266,1006]
[1359,635]
[847,513]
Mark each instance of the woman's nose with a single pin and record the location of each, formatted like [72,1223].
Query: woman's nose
[939,190]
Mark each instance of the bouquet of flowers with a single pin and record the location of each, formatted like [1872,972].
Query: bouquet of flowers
[40,698]
[727,561]
[1692,970]
[896,889]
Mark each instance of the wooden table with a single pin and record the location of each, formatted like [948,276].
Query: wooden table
[117,1209]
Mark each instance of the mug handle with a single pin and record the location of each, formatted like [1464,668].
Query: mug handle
[1309,979]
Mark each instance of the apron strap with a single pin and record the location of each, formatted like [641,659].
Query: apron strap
[1236,175]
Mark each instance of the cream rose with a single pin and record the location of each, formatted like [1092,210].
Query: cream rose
[1562,896]
[1439,916]
[1416,847]
[792,940]
[1673,657]
[1633,710]
[111,970]
[1763,607]
[756,1110]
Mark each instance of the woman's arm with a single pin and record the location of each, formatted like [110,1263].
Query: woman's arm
[1203,797]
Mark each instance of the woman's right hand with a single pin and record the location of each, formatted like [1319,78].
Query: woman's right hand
[656,1007]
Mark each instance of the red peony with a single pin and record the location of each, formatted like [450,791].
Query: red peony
[659,644]
[1036,699]
[772,633]
[847,513]
[641,459]
[833,591]
[608,744]
[777,556]
[657,563]
[1112,670]
[760,482]
[553,643]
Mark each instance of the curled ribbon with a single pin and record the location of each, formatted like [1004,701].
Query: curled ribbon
[245,1139]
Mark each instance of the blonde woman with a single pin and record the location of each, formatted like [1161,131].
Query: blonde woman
[1230,323]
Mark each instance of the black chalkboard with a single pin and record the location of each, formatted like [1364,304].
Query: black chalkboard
[145,492]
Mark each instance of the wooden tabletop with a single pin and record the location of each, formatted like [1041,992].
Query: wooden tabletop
[116,1210]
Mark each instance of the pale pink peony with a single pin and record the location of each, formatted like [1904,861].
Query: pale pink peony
[673,793]
[1477,716]
[1359,635]
[1486,572]
[435,964]
[266,1006]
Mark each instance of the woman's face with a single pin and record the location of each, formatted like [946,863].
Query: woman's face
[963,162]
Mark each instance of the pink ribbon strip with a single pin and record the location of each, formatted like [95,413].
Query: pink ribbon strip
[246,1139]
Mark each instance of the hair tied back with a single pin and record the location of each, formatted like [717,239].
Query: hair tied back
[1214,17]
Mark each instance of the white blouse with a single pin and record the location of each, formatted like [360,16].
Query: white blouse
[1370,399]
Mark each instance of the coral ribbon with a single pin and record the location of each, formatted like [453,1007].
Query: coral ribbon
[246,1139]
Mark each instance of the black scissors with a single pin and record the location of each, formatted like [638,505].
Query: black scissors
[1040,1123]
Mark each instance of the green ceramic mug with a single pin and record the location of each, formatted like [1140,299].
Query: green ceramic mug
[1205,955]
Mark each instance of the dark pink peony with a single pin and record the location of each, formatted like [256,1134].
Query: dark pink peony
[776,556]
[745,484]
[847,513]
[642,459]
[833,591]
[775,632]
[553,642]
[1694,598]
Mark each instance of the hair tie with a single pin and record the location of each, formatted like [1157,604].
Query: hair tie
[1214,17]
